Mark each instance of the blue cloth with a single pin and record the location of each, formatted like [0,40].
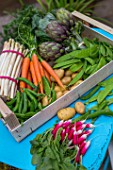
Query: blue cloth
[18,154]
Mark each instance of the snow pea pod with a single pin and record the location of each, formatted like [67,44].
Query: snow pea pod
[90,60]
[47,87]
[21,104]
[102,50]
[11,102]
[103,94]
[34,93]
[27,82]
[77,54]
[31,97]
[92,99]
[79,75]
[25,103]
[17,101]
[106,82]
[64,63]
[91,93]
[75,67]
[25,116]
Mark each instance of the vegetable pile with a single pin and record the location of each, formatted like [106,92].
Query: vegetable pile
[56,59]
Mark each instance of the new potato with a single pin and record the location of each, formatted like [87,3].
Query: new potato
[66,113]
[80,107]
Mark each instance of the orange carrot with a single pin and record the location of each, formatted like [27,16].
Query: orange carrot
[33,73]
[51,72]
[30,79]
[37,70]
[41,70]
[24,74]
[47,76]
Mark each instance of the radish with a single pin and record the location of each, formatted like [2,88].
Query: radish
[79,123]
[82,138]
[77,158]
[57,126]
[63,134]
[81,127]
[82,144]
[75,138]
[70,135]
[85,148]
[87,132]
[67,130]
[89,125]
[66,123]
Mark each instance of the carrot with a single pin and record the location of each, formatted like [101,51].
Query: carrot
[47,76]
[49,69]
[25,68]
[30,79]
[37,70]
[33,73]
[41,70]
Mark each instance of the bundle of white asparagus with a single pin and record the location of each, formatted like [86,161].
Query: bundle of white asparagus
[10,67]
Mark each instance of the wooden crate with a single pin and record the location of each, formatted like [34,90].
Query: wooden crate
[21,131]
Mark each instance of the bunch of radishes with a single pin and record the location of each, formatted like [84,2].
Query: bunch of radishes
[77,134]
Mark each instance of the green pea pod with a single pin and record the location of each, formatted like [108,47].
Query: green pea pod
[87,42]
[25,106]
[34,93]
[31,97]
[102,105]
[108,59]
[109,52]
[53,96]
[91,69]
[102,50]
[103,94]
[91,93]
[32,107]
[110,101]
[66,66]
[101,63]
[25,116]
[94,108]
[64,63]
[39,106]
[95,54]
[11,102]
[79,75]
[90,60]
[75,67]
[47,87]
[106,82]
[77,54]
[21,103]
[92,99]
[17,101]
[27,82]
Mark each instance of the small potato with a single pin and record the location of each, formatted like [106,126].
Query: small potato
[80,107]
[66,113]
[72,87]
[45,101]
[59,72]
[73,75]
[66,91]
[68,73]
[66,80]
[59,94]
[57,88]
[78,82]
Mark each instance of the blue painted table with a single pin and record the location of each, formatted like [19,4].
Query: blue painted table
[18,154]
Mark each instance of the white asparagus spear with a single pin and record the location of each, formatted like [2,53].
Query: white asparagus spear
[3,55]
[18,72]
[9,70]
[5,46]
[6,64]
[18,59]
